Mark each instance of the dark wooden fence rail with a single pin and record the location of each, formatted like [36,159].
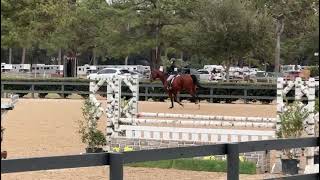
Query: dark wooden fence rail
[117,160]
[209,95]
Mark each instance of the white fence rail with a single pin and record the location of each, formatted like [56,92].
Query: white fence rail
[194,134]
[216,123]
[207,117]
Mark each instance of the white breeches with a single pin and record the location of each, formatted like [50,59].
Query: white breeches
[170,78]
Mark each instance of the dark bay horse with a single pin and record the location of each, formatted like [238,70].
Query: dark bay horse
[181,82]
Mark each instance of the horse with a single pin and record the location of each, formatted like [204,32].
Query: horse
[181,82]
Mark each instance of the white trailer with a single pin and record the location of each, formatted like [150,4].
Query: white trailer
[211,67]
[21,68]
[86,70]
[47,69]
[6,67]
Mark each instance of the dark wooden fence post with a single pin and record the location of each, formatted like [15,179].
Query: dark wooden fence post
[211,94]
[146,93]
[2,90]
[245,96]
[116,166]
[233,161]
[62,89]
[32,90]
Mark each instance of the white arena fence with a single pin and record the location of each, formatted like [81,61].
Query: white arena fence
[126,122]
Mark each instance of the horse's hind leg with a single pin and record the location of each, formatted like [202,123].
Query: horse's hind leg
[195,96]
[176,100]
[197,100]
[192,92]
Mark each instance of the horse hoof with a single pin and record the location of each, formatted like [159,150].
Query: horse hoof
[170,107]
[4,155]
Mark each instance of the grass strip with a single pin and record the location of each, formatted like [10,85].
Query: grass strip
[197,165]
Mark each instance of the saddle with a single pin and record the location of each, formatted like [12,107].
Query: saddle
[171,81]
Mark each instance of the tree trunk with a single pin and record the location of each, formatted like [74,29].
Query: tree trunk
[158,55]
[279,31]
[165,52]
[126,60]
[181,55]
[59,56]
[156,52]
[227,70]
[95,62]
[155,57]
[277,56]
[10,55]
[23,57]
[127,57]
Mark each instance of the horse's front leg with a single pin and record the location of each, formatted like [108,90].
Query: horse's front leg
[171,98]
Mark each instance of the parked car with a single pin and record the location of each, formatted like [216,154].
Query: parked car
[204,75]
[236,75]
[113,71]
[190,71]
[140,75]
[109,72]
[291,75]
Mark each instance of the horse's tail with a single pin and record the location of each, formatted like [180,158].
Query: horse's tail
[196,81]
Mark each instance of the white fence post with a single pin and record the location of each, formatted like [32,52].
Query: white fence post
[114,111]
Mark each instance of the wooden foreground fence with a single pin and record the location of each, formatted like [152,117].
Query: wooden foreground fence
[117,160]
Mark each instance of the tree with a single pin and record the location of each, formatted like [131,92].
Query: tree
[211,30]
[17,18]
[72,26]
[147,20]
[227,30]
[293,22]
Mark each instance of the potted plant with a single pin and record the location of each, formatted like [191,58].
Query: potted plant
[316,111]
[3,153]
[291,127]
[90,135]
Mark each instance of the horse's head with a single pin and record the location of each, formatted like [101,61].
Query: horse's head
[156,74]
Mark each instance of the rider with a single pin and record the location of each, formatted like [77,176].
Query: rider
[172,73]
[213,74]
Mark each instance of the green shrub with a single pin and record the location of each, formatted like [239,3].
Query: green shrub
[291,125]
[197,165]
[90,135]
[314,71]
